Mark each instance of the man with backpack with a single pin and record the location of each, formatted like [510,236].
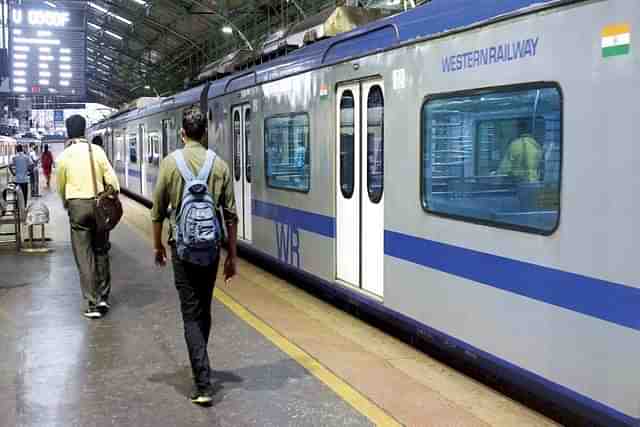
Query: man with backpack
[195,184]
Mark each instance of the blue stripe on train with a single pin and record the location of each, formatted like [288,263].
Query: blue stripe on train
[604,300]
[315,223]
[609,301]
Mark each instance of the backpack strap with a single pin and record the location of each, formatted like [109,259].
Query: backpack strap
[208,165]
[184,170]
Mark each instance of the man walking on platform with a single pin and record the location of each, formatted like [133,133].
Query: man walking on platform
[21,165]
[194,200]
[76,187]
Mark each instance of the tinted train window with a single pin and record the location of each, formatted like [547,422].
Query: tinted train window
[375,144]
[347,146]
[494,157]
[133,149]
[236,146]
[247,141]
[287,152]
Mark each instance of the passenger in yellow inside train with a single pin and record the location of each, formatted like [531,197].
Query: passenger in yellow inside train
[523,157]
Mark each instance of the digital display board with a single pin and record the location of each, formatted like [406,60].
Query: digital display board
[47,50]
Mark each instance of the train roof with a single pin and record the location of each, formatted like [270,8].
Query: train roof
[434,19]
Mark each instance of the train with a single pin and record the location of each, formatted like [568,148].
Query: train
[7,150]
[464,170]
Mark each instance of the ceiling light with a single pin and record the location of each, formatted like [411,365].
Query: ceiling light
[114,35]
[68,51]
[44,49]
[19,89]
[20,56]
[106,12]
[147,87]
[44,33]
[64,82]
[227,29]
[46,58]
[65,58]
[20,73]
[45,74]
[19,81]
[94,26]
[66,75]
[43,66]
[44,82]
[35,41]
[19,65]
[50,4]
[17,32]
[21,48]
[108,58]
[66,66]
[140,2]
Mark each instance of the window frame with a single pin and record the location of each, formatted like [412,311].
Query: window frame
[308,152]
[479,92]
[378,199]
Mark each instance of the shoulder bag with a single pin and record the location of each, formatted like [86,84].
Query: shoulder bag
[108,206]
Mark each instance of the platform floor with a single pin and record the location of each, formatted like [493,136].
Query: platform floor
[281,357]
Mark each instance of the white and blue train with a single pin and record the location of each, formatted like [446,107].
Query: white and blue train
[466,169]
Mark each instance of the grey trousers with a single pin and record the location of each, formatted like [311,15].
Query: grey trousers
[91,251]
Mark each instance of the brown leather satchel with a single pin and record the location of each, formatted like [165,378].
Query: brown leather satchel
[108,206]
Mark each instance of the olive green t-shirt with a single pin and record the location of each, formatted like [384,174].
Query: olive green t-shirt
[167,195]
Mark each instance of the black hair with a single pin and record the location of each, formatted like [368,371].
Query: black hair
[194,123]
[46,147]
[19,149]
[97,140]
[76,126]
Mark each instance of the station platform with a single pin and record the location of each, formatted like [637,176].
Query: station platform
[280,356]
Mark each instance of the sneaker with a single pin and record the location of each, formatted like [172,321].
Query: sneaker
[103,306]
[201,397]
[92,313]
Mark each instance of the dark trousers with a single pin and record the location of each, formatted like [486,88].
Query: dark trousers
[195,286]
[91,251]
[24,186]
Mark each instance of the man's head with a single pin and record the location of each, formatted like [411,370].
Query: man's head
[194,123]
[19,149]
[76,126]
[97,140]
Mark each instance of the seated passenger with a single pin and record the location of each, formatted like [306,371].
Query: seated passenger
[522,159]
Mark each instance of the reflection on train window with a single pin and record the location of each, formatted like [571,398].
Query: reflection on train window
[236,147]
[375,144]
[247,142]
[347,147]
[153,149]
[287,152]
[494,157]
[133,149]
[119,143]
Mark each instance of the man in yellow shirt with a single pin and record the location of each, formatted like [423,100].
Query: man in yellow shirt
[75,186]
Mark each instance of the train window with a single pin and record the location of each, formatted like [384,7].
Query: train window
[133,149]
[236,146]
[347,142]
[286,148]
[375,144]
[493,156]
[247,141]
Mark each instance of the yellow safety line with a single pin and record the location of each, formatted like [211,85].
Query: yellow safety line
[347,393]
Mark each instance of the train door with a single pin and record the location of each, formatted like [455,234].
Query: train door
[142,145]
[242,173]
[359,186]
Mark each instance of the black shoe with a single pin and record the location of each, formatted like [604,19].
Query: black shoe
[103,306]
[92,313]
[202,397]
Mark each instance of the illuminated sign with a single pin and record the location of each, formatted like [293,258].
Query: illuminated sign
[47,49]
[40,18]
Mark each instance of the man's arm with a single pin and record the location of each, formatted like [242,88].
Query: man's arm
[228,203]
[109,175]
[159,213]
[61,179]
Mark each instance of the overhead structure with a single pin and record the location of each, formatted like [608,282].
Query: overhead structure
[141,48]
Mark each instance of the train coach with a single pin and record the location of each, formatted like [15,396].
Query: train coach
[7,150]
[464,169]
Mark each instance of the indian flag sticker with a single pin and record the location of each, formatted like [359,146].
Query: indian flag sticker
[616,40]
[324,91]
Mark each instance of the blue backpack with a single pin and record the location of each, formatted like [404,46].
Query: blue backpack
[197,231]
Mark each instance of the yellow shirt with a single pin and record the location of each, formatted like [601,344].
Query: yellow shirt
[73,171]
[522,160]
